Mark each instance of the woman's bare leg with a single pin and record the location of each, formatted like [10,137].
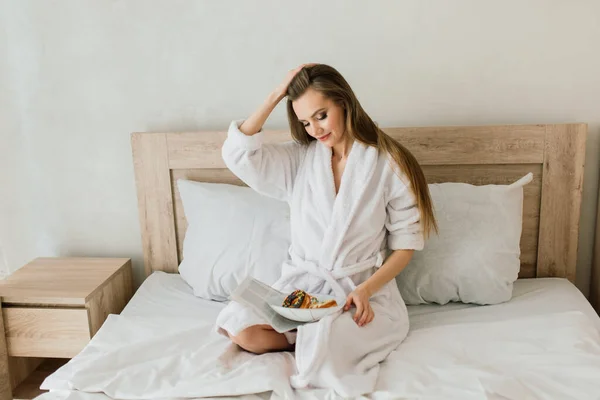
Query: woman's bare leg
[260,339]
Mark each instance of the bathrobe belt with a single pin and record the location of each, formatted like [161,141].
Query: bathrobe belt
[333,276]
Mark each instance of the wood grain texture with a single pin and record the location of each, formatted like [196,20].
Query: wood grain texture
[5,386]
[57,304]
[472,154]
[595,281]
[65,281]
[29,388]
[111,299]
[187,150]
[45,332]
[20,368]
[562,184]
[455,145]
[155,204]
[465,145]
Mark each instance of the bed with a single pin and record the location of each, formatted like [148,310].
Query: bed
[543,343]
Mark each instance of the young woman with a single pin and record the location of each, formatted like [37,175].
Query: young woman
[359,206]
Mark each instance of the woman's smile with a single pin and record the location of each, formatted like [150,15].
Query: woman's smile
[323,138]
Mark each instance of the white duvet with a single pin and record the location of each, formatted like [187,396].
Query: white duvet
[550,356]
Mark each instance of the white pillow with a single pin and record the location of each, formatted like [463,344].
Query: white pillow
[233,231]
[475,258]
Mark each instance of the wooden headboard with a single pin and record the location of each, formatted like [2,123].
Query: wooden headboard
[472,154]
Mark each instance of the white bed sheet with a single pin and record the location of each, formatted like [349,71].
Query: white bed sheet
[165,294]
[167,297]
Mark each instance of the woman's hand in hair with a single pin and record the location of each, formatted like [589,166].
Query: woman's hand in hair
[281,90]
[254,123]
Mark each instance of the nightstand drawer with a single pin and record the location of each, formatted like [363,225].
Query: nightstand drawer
[46,332]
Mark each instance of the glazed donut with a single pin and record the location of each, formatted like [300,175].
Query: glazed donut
[296,299]
[301,299]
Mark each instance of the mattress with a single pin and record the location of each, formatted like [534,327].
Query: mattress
[165,307]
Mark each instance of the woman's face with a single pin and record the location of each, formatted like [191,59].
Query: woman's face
[322,118]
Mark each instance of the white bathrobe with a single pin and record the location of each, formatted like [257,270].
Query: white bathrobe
[338,242]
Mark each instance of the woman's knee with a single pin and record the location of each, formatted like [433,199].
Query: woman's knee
[250,340]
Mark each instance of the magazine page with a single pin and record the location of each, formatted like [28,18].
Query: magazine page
[255,294]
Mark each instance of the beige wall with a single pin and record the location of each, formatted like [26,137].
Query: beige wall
[80,76]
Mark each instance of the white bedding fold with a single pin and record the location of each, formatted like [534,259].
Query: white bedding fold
[141,358]
[555,355]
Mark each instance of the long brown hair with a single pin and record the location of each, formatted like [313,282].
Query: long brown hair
[330,83]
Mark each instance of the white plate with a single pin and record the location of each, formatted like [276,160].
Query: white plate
[305,314]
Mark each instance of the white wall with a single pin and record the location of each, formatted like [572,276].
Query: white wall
[80,76]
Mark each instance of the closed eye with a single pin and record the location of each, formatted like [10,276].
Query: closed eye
[320,118]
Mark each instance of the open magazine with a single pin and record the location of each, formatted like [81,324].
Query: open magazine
[255,294]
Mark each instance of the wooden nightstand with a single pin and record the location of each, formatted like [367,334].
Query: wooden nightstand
[51,308]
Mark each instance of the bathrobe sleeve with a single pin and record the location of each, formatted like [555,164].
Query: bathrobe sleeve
[270,169]
[403,217]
